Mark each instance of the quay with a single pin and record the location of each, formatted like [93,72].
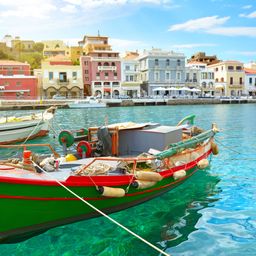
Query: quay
[43,104]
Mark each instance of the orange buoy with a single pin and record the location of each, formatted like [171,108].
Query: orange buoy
[27,157]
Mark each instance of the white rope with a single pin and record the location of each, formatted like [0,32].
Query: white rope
[103,214]
[32,131]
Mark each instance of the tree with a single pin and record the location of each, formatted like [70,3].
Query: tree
[3,55]
[38,47]
[33,58]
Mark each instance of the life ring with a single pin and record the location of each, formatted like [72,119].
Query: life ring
[84,147]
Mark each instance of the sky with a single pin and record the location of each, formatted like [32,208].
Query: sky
[226,28]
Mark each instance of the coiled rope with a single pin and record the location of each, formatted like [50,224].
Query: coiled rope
[102,213]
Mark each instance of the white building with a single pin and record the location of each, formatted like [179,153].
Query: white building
[130,75]
[250,82]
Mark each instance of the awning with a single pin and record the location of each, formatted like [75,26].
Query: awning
[107,89]
[159,89]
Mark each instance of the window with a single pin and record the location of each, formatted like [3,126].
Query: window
[238,68]
[167,75]
[115,73]
[86,71]
[106,64]
[74,75]
[131,78]
[230,68]
[178,76]
[156,76]
[100,55]
[250,80]
[113,64]
[216,69]
[99,64]
[222,79]
[50,76]
[231,80]
[156,62]
[127,67]
[106,74]
[127,78]
[178,62]
[240,80]
[167,62]
[86,63]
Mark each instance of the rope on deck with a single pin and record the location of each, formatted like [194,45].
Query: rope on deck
[103,214]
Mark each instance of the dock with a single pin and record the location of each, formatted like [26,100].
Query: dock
[43,104]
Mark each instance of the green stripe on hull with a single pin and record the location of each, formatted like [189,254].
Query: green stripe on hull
[44,214]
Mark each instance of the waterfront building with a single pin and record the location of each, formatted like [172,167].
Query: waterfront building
[55,47]
[131,75]
[60,76]
[229,78]
[200,76]
[7,39]
[101,67]
[22,45]
[202,57]
[16,81]
[161,70]
[250,81]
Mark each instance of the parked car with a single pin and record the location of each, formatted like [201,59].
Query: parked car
[58,97]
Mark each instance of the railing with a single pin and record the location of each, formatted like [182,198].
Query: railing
[104,68]
[62,82]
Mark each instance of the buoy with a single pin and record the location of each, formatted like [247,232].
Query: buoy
[215,148]
[148,176]
[26,157]
[142,184]
[203,163]
[179,174]
[84,149]
[70,157]
[111,192]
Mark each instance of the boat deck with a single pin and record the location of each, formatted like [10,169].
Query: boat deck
[64,171]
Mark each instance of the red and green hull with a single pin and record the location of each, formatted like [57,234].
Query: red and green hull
[31,206]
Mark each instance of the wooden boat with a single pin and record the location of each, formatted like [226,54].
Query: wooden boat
[90,102]
[16,129]
[40,193]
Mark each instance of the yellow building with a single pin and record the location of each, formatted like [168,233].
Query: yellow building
[94,43]
[60,77]
[229,78]
[75,53]
[55,47]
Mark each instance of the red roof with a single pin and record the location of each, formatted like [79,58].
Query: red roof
[12,63]
[250,71]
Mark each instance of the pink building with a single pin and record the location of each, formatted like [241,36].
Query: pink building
[101,67]
[16,81]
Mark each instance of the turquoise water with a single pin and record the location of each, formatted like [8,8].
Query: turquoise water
[213,213]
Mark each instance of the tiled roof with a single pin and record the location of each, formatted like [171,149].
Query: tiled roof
[250,71]
[12,63]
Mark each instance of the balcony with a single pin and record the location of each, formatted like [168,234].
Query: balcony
[62,82]
[106,68]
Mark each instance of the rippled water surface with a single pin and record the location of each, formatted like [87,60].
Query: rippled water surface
[212,213]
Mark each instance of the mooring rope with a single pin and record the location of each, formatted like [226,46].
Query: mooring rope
[32,131]
[102,213]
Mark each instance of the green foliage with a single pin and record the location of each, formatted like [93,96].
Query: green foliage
[76,62]
[38,47]
[33,58]
[3,55]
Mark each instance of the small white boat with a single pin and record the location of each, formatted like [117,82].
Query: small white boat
[16,129]
[90,102]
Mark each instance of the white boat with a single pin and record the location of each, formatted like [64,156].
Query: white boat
[90,102]
[16,129]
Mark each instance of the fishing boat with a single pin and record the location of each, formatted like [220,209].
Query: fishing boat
[89,102]
[16,129]
[116,167]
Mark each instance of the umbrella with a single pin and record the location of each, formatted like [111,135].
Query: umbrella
[184,89]
[173,89]
[159,89]
[195,90]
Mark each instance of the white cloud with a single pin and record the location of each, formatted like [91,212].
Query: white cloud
[129,45]
[233,31]
[69,8]
[212,25]
[204,23]
[250,15]
[247,7]
[190,46]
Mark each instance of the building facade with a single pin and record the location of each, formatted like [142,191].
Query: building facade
[229,78]
[58,76]
[202,57]
[131,75]
[101,68]
[161,69]
[250,82]
[55,47]
[16,81]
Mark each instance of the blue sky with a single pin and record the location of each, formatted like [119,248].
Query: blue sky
[222,27]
